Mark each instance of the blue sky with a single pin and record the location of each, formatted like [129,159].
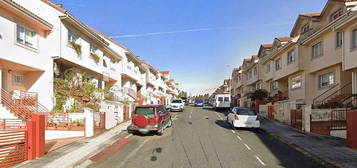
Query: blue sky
[199,41]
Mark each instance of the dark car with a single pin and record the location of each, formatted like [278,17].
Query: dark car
[150,118]
[198,103]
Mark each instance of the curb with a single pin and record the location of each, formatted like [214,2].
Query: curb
[310,156]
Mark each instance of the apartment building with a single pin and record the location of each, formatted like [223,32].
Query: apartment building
[25,62]
[42,41]
[312,65]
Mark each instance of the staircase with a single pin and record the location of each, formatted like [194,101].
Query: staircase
[20,107]
[340,96]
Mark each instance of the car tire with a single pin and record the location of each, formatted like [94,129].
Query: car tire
[160,132]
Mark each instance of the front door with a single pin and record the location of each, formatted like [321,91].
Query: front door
[3,79]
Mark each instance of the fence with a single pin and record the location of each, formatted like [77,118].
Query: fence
[12,147]
[296,119]
[65,121]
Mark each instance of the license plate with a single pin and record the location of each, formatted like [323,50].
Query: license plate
[248,123]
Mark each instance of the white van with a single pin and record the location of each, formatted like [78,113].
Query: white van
[222,101]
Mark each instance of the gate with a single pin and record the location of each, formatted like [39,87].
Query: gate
[13,144]
[338,120]
[296,119]
[99,122]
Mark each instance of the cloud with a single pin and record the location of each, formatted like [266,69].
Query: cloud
[174,32]
[192,30]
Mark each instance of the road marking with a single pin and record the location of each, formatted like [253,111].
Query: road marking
[239,137]
[131,154]
[247,146]
[261,162]
[128,136]
[233,131]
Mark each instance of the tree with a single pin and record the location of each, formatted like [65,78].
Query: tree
[182,94]
[259,94]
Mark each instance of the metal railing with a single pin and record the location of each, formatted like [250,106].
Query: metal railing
[23,106]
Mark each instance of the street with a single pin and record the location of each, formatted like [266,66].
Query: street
[202,138]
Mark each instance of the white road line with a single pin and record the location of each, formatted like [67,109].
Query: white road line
[239,137]
[128,136]
[132,153]
[233,131]
[247,146]
[261,162]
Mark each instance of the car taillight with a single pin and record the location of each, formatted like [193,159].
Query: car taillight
[236,117]
[258,118]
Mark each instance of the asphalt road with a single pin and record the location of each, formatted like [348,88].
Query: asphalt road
[201,138]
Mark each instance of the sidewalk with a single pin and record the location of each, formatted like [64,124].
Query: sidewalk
[325,149]
[69,155]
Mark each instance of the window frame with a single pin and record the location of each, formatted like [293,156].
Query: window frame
[354,39]
[297,78]
[320,78]
[15,82]
[339,39]
[305,28]
[289,56]
[280,61]
[70,33]
[336,12]
[34,45]
[313,56]
[268,68]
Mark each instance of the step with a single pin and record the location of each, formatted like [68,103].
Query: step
[6,113]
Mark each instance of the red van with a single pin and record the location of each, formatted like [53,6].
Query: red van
[148,118]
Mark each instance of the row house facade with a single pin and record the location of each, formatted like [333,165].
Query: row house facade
[314,65]
[41,41]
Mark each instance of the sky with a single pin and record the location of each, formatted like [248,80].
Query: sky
[199,41]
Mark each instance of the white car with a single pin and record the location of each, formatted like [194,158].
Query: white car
[177,105]
[241,117]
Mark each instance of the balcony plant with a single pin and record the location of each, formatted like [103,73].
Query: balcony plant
[76,47]
[259,94]
[95,57]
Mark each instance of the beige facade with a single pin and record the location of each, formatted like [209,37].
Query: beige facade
[316,64]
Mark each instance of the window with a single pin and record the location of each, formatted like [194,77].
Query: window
[354,38]
[326,80]
[226,99]
[273,85]
[26,36]
[72,37]
[268,67]
[305,28]
[18,79]
[278,64]
[339,39]
[104,63]
[296,82]
[100,84]
[291,56]
[220,99]
[93,48]
[255,71]
[258,86]
[317,50]
[336,15]
[250,74]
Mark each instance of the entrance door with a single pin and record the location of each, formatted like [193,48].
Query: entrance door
[3,80]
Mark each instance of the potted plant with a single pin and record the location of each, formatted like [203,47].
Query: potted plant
[76,47]
[95,57]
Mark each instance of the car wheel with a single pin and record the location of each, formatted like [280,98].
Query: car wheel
[169,124]
[160,131]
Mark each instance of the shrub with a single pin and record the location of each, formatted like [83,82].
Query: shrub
[95,57]
[76,47]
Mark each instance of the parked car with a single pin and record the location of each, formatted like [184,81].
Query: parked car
[240,117]
[206,103]
[198,103]
[222,101]
[177,105]
[150,118]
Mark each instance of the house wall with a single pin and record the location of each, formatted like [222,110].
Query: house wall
[39,58]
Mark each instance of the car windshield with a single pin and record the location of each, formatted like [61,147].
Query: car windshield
[176,101]
[199,101]
[145,111]
[248,112]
